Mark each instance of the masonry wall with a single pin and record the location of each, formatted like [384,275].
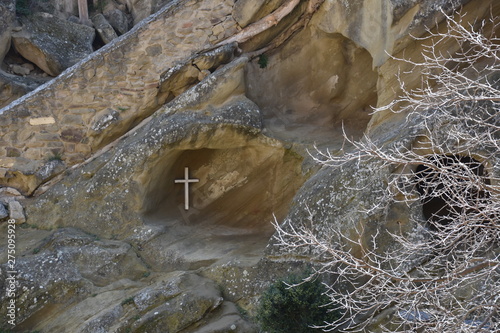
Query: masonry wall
[106,94]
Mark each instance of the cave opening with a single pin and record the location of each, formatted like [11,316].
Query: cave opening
[450,188]
[237,188]
[238,192]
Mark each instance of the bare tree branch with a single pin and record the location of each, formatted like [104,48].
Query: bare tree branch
[443,275]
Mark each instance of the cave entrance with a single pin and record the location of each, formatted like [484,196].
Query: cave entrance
[238,193]
[450,188]
[237,188]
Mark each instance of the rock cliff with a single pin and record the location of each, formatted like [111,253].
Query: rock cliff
[109,245]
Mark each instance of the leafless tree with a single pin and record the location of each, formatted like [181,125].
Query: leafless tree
[442,274]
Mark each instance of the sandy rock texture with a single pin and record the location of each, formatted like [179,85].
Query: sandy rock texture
[108,245]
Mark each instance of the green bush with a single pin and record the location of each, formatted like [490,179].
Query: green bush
[285,309]
[263,60]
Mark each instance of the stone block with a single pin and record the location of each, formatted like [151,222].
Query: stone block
[42,121]
[16,212]
[33,153]
[36,143]
[153,50]
[72,134]
[12,152]
[84,112]
[118,20]
[71,119]
[83,148]
[4,213]
[69,147]
[104,28]
[48,137]
[55,144]
[23,135]
[74,158]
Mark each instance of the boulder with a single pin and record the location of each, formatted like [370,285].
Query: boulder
[16,212]
[51,43]
[19,70]
[7,17]
[50,169]
[141,9]
[61,268]
[8,194]
[118,20]
[104,29]
[70,281]
[4,213]
[13,86]
[59,8]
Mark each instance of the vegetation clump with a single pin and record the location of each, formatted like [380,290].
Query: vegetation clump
[295,305]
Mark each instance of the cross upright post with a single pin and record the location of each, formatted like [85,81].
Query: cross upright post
[186,181]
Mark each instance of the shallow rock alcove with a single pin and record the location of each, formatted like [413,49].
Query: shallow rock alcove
[314,85]
[231,207]
[238,188]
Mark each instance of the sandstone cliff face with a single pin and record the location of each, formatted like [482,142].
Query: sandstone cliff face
[115,247]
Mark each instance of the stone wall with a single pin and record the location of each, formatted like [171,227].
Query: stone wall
[103,96]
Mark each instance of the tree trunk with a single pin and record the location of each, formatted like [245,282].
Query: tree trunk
[83,12]
[263,24]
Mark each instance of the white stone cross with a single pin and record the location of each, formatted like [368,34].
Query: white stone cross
[186,182]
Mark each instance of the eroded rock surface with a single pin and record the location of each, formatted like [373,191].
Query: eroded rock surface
[13,86]
[104,28]
[72,281]
[113,226]
[7,17]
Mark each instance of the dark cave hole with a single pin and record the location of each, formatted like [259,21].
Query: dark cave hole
[450,187]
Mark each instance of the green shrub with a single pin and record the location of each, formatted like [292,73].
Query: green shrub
[263,60]
[285,309]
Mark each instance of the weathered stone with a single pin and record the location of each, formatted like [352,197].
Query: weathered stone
[50,169]
[16,212]
[219,127]
[213,59]
[66,266]
[28,66]
[7,17]
[12,86]
[164,303]
[60,8]
[118,20]
[109,117]
[248,11]
[51,43]
[140,9]
[13,152]
[314,107]
[74,19]
[4,213]
[74,135]
[104,29]
[9,191]
[19,70]
[42,121]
